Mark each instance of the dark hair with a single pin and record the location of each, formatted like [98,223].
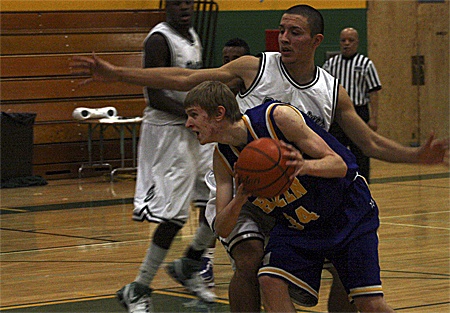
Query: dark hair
[314,17]
[238,42]
[209,95]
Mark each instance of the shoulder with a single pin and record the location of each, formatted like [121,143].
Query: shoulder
[282,112]
[157,35]
[334,58]
[363,59]
[324,75]
[156,38]
[245,59]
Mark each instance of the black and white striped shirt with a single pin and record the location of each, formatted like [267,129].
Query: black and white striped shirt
[357,75]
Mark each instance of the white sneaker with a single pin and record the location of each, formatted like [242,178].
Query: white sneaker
[197,286]
[136,298]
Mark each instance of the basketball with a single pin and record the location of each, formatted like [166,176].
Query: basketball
[262,168]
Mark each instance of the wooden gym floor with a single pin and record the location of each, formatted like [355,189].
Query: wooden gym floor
[68,246]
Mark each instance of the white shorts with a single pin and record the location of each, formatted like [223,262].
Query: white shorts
[171,164]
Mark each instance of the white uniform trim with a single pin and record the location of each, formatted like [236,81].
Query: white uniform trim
[318,98]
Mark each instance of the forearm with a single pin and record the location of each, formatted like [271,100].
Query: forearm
[155,78]
[227,217]
[388,150]
[328,167]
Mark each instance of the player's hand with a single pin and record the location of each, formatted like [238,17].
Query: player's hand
[295,158]
[434,151]
[241,194]
[97,68]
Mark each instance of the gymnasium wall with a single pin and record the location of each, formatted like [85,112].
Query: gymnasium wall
[247,19]
[407,113]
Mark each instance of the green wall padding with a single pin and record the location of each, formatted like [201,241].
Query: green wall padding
[251,26]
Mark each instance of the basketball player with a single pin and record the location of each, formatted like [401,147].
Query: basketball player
[289,76]
[359,77]
[327,212]
[169,156]
[233,49]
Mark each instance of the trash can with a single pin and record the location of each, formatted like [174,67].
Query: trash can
[16,145]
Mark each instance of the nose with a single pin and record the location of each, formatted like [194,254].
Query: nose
[282,36]
[188,123]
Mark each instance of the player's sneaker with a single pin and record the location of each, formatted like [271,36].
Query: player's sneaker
[197,286]
[136,298]
[185,272]
[206,272]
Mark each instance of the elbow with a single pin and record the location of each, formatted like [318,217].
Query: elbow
[220,230]
[223,233]
[344,170]
[371,146]
[339,166]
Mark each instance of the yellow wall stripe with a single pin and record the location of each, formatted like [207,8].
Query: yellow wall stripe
[73,5]
[224,5]
[253,5]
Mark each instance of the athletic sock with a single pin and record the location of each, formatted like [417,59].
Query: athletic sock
[153,260]
[203,237]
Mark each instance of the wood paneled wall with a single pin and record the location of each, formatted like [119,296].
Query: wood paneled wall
[36,78]
[397,31]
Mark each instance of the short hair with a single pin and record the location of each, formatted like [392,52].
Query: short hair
[238,42]
[209,95]
[314,17]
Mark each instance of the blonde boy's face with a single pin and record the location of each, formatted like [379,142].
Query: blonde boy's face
[201,124]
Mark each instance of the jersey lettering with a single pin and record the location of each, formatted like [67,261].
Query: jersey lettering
[304,217]
[296,191]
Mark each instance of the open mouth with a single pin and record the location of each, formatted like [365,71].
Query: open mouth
[185,17]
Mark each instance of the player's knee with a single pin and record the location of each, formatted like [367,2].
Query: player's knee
[265,282]
[247,256]
[269,283]
[165,233]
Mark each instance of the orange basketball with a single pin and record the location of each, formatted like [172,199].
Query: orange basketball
[262,168]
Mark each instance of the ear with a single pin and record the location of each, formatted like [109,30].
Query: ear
[220,113]
[318,40]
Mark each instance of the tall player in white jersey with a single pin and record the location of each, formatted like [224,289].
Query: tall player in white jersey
[171,163]
[301,32]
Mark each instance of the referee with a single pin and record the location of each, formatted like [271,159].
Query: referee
[357,74]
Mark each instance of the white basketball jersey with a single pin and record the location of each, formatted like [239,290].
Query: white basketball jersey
[318,99]
[184,53]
